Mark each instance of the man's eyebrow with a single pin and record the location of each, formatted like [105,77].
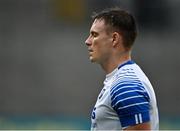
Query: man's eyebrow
[93,32]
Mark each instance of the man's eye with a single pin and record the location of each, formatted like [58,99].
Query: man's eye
[94,34]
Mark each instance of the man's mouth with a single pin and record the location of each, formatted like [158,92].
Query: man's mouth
[90,50]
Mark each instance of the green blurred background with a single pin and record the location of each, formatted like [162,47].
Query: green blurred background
[46,79]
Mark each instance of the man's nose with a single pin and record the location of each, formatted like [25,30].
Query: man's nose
[87,42]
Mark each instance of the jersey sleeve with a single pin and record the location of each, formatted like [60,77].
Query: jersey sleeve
[131,102]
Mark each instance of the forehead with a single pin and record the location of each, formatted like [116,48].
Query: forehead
[98,25]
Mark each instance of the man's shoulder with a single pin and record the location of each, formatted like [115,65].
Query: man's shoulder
[127,76]
[125,73]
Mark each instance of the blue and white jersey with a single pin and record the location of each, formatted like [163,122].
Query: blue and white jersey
[126,99]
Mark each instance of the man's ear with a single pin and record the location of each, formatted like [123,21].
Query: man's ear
[117,38]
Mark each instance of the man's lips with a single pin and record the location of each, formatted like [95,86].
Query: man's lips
[90,50]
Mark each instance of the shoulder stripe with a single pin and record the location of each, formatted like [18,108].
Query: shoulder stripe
[125,79]
[128,75]
[118,81]
[130,88]
[122,100]
[135,104]
[122,85]
[126,93]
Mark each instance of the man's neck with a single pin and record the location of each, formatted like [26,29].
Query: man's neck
[114,62]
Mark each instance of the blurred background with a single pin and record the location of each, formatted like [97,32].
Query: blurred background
[46,78]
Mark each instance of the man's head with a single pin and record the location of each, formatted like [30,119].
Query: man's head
[111,28]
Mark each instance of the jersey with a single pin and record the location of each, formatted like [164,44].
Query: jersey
[126,99]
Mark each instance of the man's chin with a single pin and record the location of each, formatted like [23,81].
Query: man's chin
[92,60]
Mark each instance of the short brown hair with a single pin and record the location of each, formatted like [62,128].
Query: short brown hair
[121,21]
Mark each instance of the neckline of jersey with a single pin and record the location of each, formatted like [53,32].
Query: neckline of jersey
[129,62]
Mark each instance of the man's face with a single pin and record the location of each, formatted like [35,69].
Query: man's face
[99,42]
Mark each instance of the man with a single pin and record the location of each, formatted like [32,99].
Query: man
[127,100]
